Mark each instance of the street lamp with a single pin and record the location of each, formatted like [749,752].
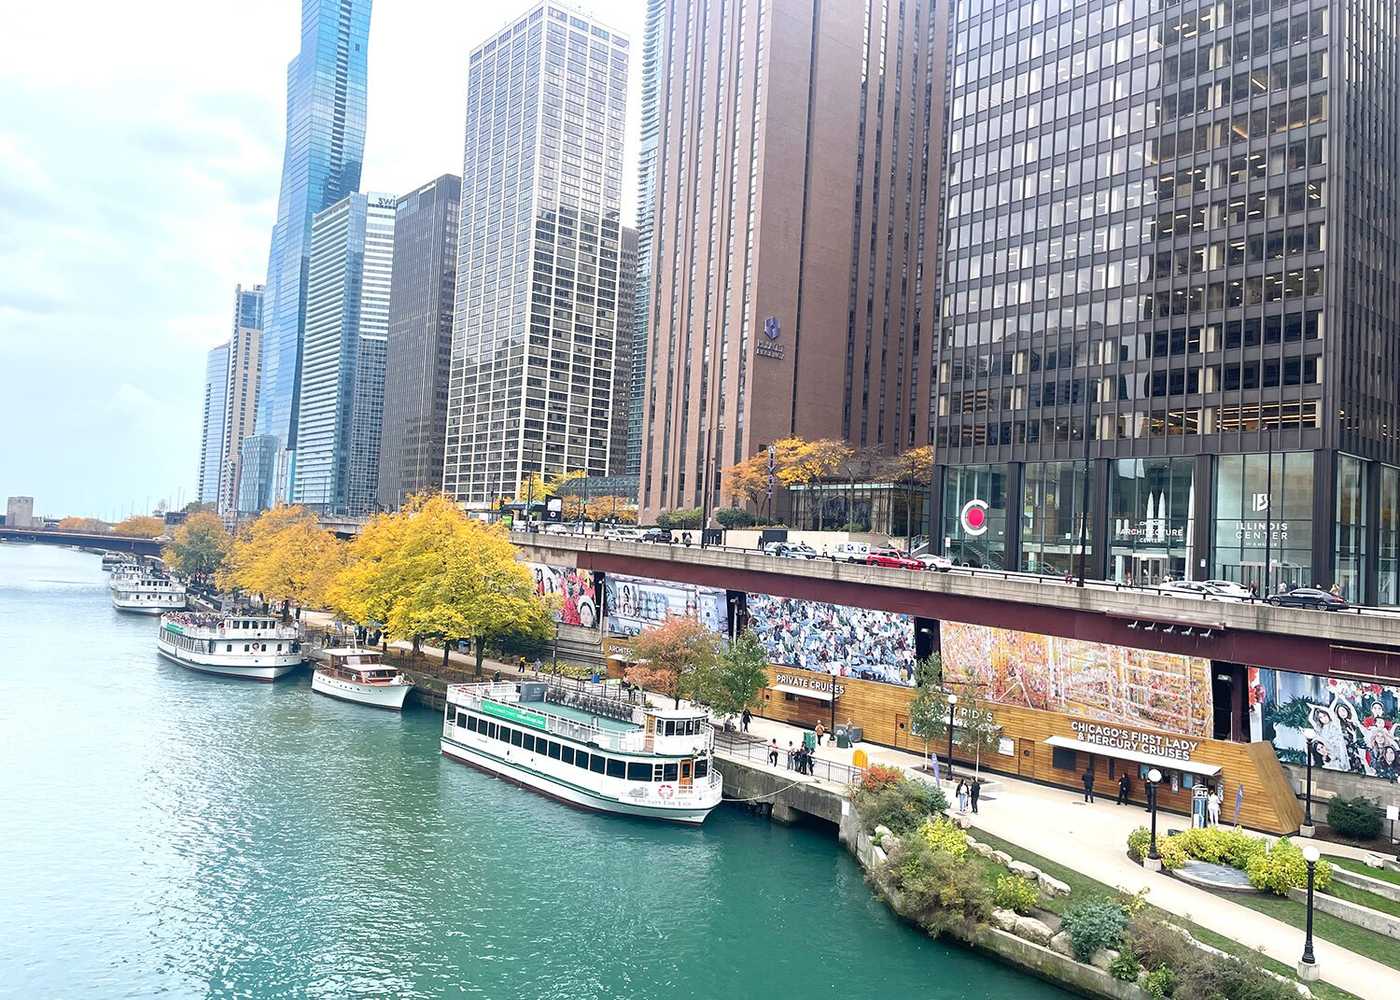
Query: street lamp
[952,703]
[1154,860]
[1307,965]
[1309,739]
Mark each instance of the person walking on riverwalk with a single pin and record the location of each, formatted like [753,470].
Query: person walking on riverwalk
[975,792]
[1088,780]
[773,753]
[745,719]
[961,795]
[1124,786]
[820,731]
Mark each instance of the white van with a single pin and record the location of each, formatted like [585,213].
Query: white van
[851,552]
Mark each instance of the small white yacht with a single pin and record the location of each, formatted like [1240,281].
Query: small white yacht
[582,746]
[147,592]
[254,647]
[359,675]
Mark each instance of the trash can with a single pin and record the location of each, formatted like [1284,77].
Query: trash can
[809,740]
[855,734]
[843,739]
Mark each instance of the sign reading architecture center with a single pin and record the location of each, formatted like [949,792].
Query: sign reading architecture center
[1117,738]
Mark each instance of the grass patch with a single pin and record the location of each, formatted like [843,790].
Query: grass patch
[1362,868]
[1364,897]
[1385,950]
[1083,887]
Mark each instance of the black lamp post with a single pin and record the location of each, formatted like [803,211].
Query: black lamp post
[1309,741]
[952,704]
[1307,965]
[1154,860]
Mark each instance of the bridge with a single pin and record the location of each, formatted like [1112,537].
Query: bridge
[1362,645]
[112,543]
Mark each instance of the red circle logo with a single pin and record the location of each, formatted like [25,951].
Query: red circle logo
[974,517]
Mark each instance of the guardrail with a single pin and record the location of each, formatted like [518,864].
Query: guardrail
[740,747]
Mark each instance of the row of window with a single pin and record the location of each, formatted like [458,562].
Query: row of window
[613,767]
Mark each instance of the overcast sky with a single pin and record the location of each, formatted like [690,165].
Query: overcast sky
[140,155]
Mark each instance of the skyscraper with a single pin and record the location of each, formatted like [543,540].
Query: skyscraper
[420,341]
[623,366]
[535,317]
[241,392]
[799,157]
[1169,293]
[643,297]
[341,404]
[211,436]
[326,89]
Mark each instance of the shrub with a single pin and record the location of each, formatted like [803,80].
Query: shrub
[1133,904]
[902,806]
[878,776]
[1013,892]
[1282,868]
[934,888]
[1125,968]
[735,517]
[1156,943]
[1172,853]
[1092,925]
[1160,983]
[686,517]
[944,835]
[1218,846]
[855,527]
[1139,841]
[1232,979]
[1355,819]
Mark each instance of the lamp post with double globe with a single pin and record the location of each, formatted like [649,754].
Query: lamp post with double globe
[1154,860]
[1309,741]
[1307,965]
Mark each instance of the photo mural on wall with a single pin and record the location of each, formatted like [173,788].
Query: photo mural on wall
[576,592]
[1357,723]
[635,604]
[834,638]
[1094,680]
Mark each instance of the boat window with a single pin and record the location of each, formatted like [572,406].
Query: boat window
[490,730]
[279,647]
[245,647]
[595,763]
[566,754]
[503,733]
[452,714]
[228,648]
[515,737]
[616,768]
[669,772]
[702,767]
[638,772]
[554,749]
[528,742]
[471,722]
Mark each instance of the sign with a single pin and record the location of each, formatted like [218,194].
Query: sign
[769,347]
[1261,502]
[1117,738]
[813,682]
[974,517]
[1254,532]
[512,714]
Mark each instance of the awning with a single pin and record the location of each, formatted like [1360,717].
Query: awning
[803,692]
[1152,760]
[617,656]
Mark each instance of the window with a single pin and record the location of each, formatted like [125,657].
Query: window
[472,723]
[528,743]
[490,730]
[228,648]
[702,767]
[553,748]
[1064,759]
[616,768]
[638,772]
[516,738]
[566,754]
[595,763]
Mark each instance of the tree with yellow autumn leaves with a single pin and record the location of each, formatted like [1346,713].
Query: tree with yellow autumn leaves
[140,526]
[285,556]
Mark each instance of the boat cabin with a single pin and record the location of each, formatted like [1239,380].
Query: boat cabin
[359,666]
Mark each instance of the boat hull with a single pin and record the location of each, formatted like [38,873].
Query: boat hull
[265,668]
[386,696]
[567,793]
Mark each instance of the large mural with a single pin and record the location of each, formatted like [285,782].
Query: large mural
[636,603]
[834,639]
[1356,723]
[577,594]
[1093,680]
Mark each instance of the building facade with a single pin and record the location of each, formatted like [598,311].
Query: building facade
[19,512]
[536,310]
[1169,293]
[341,405]
[624,367]
[326,92]
[643,299]
[419,349]
[241,389]
[794,241]
[211,434]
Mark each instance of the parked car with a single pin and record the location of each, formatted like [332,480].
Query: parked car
[1184,588]
[851,552]
[940,564]
[660,535]
[622,534]
[1308,597]
[893,558]
[790,550]
[1229,589]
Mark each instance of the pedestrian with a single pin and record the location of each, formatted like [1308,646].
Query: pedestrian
[745,719]
[1335,590]
[961,795]
[1213,806]
[773,753]
[522,664]
[975,792]
[496,677]
[791,754]
[1088,780]
[1124,786]
[820,731]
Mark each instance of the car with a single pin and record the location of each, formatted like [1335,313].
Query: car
[790,550]
[1308,597]
[892,558]
[851,552]
[1229,589]
[939,564]
[658,535]
[1184,588]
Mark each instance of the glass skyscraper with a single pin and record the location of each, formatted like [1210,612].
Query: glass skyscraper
[536,310]
[211,438]
[326,87]
[341,404]
[241,395]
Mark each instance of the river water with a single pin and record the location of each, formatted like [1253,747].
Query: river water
[165,833]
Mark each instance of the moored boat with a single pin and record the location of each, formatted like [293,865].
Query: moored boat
[359,675]
[147,593]
[253,647]
[111,560]
[580,746]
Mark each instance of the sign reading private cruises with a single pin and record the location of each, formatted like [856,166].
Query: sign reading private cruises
[1117,738]
[814,682]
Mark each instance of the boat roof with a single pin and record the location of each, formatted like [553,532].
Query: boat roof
[350,651]
[579,715]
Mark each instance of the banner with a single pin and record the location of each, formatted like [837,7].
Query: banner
[635,604]
[1093,680]
[834,639]
[575,587]
[1356,723]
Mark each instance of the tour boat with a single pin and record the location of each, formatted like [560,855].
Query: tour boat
[255,647]
[147,593]
[111,560]
[360,676]
[583,747]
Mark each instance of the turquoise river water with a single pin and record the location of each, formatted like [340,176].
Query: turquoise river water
[165,833]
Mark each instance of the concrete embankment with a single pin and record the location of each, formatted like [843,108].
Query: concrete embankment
[788,795]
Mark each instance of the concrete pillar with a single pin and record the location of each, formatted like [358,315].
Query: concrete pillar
[1015,503]
[783,813]
[1324,547]
[935,510]
[1203,519]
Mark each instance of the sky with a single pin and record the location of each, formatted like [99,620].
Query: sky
[140,156]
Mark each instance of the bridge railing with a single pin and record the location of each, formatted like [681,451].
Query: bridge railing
[742,747]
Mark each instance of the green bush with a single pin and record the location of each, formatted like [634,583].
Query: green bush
[1139,841]
[1172,853]
[934,888]
[1282,868]
[686,517]
[1356,819]
[944,835]
[1014,892]
[854,527]
[903,806]
[735,517]
[1160,983]
[1220,846]
[1125,968]
[1156,943]
[1232,979]
[1092,925]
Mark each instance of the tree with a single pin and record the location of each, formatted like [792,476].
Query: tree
[600,509]
[285,556]
[537,487]
[676,652]
[685,517]
[88,525]
[730,682]
[911,468]
[735,517]
[197,548]
[928,712]
[138,526]
[980,731]
[746,481]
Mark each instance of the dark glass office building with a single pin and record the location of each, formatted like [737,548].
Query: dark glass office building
[420,341]
[1169,291]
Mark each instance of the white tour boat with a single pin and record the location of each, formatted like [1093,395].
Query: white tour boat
[111,560]
[147,593]
[255,647]
[582,747]
[359,675]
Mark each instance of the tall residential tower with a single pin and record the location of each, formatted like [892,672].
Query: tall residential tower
[536,312]
[241,392]
[211,436]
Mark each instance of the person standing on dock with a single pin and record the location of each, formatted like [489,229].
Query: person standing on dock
[975,792]
[961,795]
[1124,786]
[820,731]
[773,753]
[1088,780]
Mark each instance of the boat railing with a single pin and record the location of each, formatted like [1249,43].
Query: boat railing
[503,692]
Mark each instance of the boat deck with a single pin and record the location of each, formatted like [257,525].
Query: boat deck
[578,715]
